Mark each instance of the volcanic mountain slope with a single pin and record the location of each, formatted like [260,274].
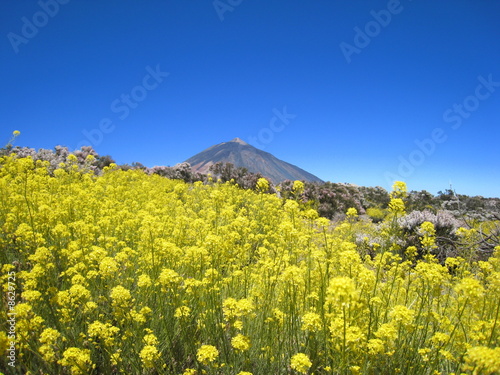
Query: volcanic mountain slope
[241,154]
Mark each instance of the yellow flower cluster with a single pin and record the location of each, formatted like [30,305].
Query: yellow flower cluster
[120,296]
[311,322]
[240,342]
[78,360]
[207,354]
[262,185]
[49,338]
[352,212]
[428,235]
[149,355]
[128,272]
[300,362]
[103,331]
[399,190]
[397,206]
[483,360]
[182,312]
[233,308]
[341,291]
[402,314]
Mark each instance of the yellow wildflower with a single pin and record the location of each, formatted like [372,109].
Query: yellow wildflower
[352,213]
[439,338]
[340,291]
[103,331]
[120,296]
[375,346]
[74,297]
[402,314]
[232,308]
[168,276]
[279,316]
[151,339]
[428,233]
[78,360]
[387,331]
[311,322]
[144,281]
[262,185]
[149,355]
[399,190]
[300,362]
[470,288]
[49,338]
[207,354]
[298,187]
[240,342]
[108,267]
[72,158]
[411,252]
[424,353]
[483,360]
[397,206]
[182,312]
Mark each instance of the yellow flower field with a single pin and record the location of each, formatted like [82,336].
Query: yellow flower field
[129,273]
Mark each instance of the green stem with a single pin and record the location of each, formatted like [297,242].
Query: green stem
[494,325]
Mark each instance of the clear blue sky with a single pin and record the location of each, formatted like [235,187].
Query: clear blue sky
[356,83]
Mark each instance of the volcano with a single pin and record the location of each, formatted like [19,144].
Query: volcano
[241,154]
